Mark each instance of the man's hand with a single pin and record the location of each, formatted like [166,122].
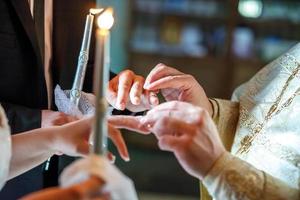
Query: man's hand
[126,91]
[189,133]
[175,85]
[52,118]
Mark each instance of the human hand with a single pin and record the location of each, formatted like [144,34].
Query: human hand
[73,139]
[118,185]
[126,91]
[177,86]
[89,189]
[53,118]
[187,131]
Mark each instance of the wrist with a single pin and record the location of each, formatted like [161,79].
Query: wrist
[54,139]
[217,167]
[211,162]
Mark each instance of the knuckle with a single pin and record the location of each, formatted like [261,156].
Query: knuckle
[165,120]
[137,85]
[201,115]
[128,72]
[139,78]
[189,76]
[161,66]
[126,86]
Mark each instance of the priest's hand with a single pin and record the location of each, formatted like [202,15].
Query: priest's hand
[53,118]
[189,133]
[126,91]
[175,85]
[73,139]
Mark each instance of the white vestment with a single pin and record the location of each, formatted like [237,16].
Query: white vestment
[264,162]
[276,148]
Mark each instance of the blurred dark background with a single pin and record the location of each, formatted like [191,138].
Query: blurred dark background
[221,42]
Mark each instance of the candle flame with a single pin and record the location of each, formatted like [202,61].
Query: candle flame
[95,11]
[106,19]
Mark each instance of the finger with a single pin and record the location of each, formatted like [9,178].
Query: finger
[88,188]
[151,118]
[111,157]
[169,143]
[172,106]
[136,90]
[178,82]
[173,127]
[128,122]
[153,99]
[158,72]
[117,138]
[125,82]
[112,92]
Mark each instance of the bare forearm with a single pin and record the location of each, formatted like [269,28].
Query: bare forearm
[30,149]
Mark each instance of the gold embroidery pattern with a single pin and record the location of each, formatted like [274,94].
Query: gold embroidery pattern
[246,185]
[281,152]
[290,63]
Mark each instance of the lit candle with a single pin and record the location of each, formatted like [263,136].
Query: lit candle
[83,57]
[101,78]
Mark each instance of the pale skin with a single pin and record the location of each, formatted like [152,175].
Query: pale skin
[55,118]
[126,91]
[173,85]
[189,132]
[186,129]
[29,149]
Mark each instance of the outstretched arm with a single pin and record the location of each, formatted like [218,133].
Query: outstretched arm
[31,148]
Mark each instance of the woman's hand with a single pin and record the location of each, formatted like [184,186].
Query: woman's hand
[73,139]
[126,91]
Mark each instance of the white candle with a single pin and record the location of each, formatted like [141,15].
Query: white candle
[83,57]
[101,78]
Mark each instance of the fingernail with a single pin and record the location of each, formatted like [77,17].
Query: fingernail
[121,106]
[126,159]
[146,85]
[112,159]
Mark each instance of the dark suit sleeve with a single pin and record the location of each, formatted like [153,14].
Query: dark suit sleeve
[21,118]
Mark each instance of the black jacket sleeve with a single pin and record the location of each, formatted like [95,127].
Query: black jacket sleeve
[21,118]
